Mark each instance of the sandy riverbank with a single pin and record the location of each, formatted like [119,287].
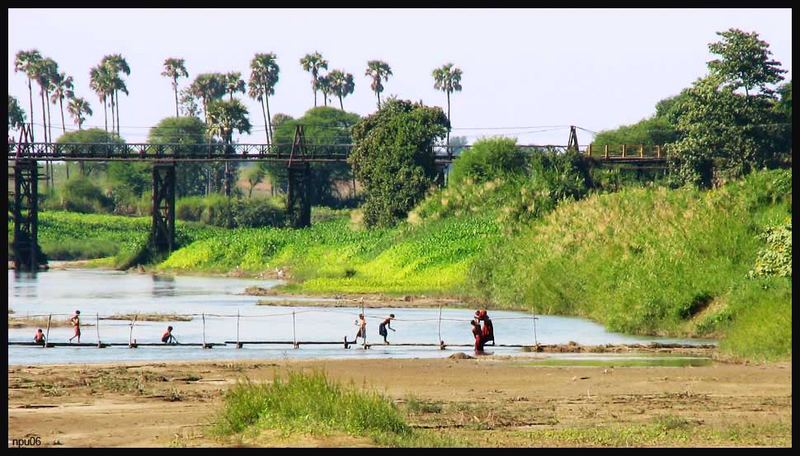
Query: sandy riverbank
[487,401]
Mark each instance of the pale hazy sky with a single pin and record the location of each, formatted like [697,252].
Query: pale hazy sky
[527,73]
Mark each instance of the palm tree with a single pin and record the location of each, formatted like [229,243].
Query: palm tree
[25,61]
[264,76]
[43,72]
[234,83]
[100,81]
[313,63]
[378,70]
[208,87]
[61,85]
[77,107]
[116,65]
[175,68]
[223,118]
[324,86]
[447,79]
[342,85]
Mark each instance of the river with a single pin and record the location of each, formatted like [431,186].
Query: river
[103,292]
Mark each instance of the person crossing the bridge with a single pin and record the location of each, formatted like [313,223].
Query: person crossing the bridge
[386,324]
[167,337]
[487,331]
[362,330]
[76,323]
[38,338]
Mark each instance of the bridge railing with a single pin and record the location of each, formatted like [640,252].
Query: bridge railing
[626,151]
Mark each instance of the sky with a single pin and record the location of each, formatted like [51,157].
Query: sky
[527,73]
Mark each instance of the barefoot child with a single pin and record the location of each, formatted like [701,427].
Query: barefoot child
[362,329]
[38,338]
[76,322]
[167,337]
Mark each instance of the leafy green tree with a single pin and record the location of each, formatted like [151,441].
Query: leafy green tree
[313,63]
[175,68]
[378,70]
[744,62]
[91,136]
[224,118]
[322,125]
[254,175]
[488,159]
[26,62]
[727,134]
[448,80]
[342,85]
[190,178]
[16,116]
[393,158]
[188,103]
[264,76]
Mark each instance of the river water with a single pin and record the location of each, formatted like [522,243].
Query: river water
[61,292]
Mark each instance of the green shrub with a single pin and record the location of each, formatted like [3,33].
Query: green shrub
[81,195]
[190,208]
[488,159]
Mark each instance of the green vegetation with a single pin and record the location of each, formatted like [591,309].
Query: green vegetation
[393,158]
[651,261]
[330,256]
[313,404]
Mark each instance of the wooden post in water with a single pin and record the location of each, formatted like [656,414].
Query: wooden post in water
[440,324]
[535,339]
[204,330]
[97,326]
[294,332]
[130,336]
[238,344]
[47,335]
[605,151]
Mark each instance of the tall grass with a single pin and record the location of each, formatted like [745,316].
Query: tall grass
[649,261]
[311,403]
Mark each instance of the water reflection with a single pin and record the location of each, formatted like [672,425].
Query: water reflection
[163,285]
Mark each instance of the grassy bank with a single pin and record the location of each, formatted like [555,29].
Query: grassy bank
[314,404]
[332,257]
[654,261]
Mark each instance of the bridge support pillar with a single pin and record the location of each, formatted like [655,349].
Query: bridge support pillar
[163,228]
[25,213]
[298,201]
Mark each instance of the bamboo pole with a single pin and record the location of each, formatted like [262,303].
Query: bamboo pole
[658,151]
[623,150]
[605,151]
[131,344]
[294,332]
[47,335]
[238,345]
[97,326]
[641,150]
[440,324]
[204,330]
[535,339]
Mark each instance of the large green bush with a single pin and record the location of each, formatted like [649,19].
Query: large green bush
[393,157]
[81,195]
[488,159]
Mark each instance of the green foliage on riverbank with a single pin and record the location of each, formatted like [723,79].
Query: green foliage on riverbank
[654,261]
[332,256]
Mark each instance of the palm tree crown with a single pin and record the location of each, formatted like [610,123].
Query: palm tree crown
[175,68]
[378,70]
[313,63]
